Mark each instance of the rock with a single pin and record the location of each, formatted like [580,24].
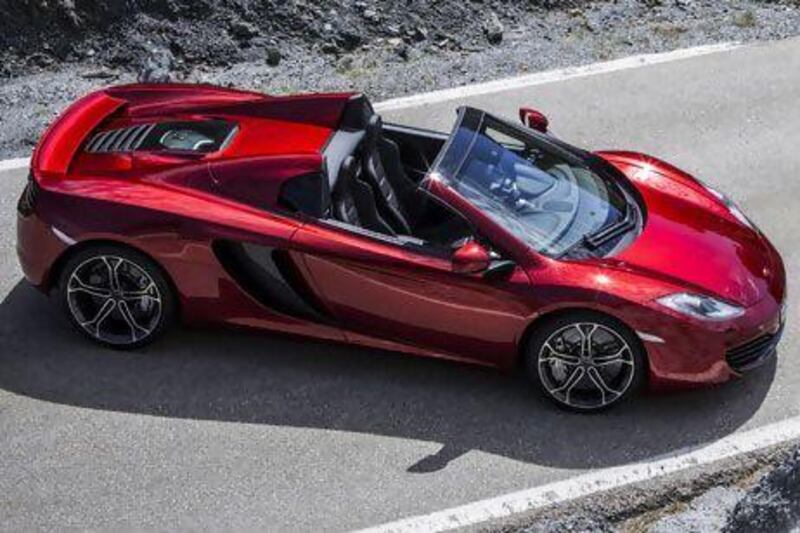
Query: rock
[273,56]
[773,504]
[40,60]
[493,29]
[349,39]
[345,63]
[243,30]
[157,67]
[371,15]
[707,512]
[100,74]
[329,48]
[402,50]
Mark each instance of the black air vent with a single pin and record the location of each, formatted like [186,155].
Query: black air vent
[750,354]
[119,140]
[201,136]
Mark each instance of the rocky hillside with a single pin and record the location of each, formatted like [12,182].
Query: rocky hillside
[52,51]
[42,33]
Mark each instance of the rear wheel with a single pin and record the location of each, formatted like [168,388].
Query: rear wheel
[586,361]
[116,296]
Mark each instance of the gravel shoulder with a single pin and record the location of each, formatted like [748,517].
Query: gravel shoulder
[384,53]
[757,492]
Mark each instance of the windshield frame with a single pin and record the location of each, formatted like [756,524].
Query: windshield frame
[472,120]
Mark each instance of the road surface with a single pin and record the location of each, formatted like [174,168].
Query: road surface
[243,431]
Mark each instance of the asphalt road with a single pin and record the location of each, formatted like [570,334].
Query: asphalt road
[236,430]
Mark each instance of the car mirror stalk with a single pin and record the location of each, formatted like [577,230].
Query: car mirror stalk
[500,269]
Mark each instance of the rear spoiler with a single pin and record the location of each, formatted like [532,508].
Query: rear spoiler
[64,137]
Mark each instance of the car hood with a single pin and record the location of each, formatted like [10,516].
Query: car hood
[690,239]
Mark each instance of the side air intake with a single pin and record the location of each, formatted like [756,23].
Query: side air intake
[119,140]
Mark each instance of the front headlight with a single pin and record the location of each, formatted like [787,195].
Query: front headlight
[732,207]
[702,307]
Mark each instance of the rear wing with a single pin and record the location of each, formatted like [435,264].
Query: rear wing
[64,137]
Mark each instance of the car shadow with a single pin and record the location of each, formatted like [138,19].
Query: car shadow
[259,378]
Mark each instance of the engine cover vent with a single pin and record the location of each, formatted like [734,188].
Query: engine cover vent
[119,140]
[201,136]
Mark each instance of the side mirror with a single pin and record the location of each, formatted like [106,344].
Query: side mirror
[471,258]
[533,119]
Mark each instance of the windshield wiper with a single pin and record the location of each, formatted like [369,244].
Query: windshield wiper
[615,229]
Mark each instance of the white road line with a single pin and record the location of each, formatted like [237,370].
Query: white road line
[551,76]
[530,80]
[14,164]
[597,481]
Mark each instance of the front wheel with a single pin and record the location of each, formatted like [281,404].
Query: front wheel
[116,296]
[585,361]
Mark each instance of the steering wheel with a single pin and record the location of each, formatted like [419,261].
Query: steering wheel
[505,188]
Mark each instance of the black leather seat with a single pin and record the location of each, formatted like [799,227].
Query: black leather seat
[354,201]
[383,170]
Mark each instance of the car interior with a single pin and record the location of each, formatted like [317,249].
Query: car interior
[373,181]
[372,176]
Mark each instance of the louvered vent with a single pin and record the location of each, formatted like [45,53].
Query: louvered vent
[119,140]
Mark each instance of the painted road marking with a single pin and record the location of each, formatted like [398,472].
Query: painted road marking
[506,84]
[552,76]
[14,164]
[597,481]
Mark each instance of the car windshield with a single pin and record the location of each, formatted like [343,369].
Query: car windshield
[546,196]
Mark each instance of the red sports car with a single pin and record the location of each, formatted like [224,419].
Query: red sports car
[497,244]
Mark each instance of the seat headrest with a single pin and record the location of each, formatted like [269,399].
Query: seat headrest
[373,131]
[346,172]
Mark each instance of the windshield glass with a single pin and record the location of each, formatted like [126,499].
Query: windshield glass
[541,193]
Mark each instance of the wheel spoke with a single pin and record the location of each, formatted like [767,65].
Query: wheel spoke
[555,355]
[568,385]
[610,359]
[586,339]
[128,316]
[106,309]
[113,276]
[147,292]
[602,386]
[77,285]
[613,362]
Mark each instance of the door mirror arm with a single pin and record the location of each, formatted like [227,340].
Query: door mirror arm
[500,269]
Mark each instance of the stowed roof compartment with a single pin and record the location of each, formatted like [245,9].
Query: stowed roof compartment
[235,144]
[174,117]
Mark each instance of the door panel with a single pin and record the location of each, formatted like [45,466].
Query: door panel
[388,291]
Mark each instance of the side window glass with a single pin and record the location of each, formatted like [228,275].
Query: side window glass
[503,139]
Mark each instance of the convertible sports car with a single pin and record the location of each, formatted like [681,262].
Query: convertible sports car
[498,244]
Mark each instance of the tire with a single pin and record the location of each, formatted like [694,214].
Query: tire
[116,296]
[610,372]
